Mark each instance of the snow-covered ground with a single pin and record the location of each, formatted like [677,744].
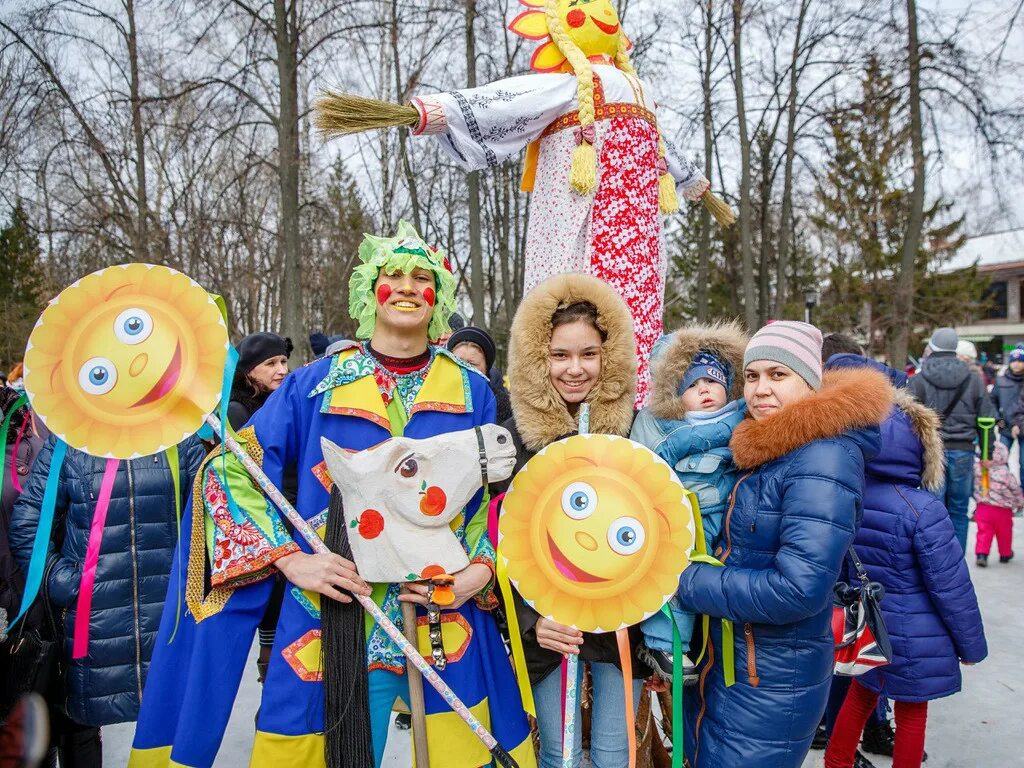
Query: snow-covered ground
[977,727]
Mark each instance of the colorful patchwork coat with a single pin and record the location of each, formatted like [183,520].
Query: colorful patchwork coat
[616,234]
[196,668]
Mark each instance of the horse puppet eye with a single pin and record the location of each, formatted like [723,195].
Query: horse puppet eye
[408,467]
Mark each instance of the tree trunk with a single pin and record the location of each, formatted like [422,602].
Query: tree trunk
[746,249]
[401,93]
[141,226]
[912,240]
[765,222]
[781,278]
[476,260]
[704,244]
[287,40]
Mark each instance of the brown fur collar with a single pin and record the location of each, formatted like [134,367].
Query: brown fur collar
[540,413]
[925,423]
[848,399]
[726,340]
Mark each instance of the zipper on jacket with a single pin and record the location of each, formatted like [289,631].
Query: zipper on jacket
[135,580]
[703,700]
[719,552]
[748,633]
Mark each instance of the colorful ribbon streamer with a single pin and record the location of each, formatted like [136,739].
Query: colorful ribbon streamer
[174,465]
[515,638]
[677,690]
[37,564]
[626,661]
[92,558]
[728,639]
[570,691]
[23,400]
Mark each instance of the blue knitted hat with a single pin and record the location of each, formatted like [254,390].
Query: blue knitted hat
[706,365]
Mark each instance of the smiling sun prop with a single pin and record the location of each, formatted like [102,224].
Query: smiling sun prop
[595,531]
[127,361]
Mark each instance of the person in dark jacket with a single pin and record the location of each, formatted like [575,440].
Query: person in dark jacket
[790,520]
[25,436]
[262,367]
[572,342]
[946,385]
[476,347]
[1006,397]
[907,543]
[132,575]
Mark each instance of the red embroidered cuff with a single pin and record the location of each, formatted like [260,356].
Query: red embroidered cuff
[696,189]
[432,117]
[251,570]
[487,598]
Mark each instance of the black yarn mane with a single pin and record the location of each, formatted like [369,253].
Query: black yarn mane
[347,736]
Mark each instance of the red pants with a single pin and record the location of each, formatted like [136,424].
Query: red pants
[993,521]
[860,703]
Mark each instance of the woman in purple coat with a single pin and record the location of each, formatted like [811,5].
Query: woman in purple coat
[907,543]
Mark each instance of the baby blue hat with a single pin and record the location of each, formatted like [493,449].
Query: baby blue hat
[707,365]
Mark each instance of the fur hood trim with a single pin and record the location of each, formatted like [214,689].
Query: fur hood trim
[726,340]
[540,413]
[850,398]
[926,425]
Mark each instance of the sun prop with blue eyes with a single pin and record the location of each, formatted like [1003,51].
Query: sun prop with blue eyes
[127,361]
[595,531]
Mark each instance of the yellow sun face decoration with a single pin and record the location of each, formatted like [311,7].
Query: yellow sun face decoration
[127,361]
[595,530]
[593,25]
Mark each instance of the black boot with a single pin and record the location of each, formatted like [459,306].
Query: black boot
[859,761]
[982,561]
[879,739]
[1006,559]
[820,740]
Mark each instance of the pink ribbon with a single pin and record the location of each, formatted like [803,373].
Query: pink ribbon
[92,558]
[493,510]
[587,132]
[14,457]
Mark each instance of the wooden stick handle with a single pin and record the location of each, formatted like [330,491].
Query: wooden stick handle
[416,705]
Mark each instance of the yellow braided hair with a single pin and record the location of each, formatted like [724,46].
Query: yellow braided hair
[668,200]
[583,173]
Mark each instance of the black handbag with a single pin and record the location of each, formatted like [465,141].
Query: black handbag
[858,628]
[28,664]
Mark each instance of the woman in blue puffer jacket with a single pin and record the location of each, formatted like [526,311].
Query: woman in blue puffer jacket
[790,520]
[907,543]
[132,575]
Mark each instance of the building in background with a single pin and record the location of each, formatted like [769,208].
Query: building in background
[1000,258]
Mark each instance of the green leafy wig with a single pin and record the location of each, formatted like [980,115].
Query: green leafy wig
[402,253]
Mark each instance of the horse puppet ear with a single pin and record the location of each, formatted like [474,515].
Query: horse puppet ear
[348,468]
[338,460]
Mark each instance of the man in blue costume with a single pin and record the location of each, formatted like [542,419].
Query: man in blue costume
[395,383]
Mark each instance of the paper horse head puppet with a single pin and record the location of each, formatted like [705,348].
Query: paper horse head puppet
[400,498]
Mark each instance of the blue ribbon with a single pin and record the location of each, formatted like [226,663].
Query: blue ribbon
[37,564]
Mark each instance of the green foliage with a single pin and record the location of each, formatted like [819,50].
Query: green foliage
[864,202]
[339,220]
[23,286]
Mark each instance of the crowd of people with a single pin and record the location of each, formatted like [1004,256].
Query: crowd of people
[802,452]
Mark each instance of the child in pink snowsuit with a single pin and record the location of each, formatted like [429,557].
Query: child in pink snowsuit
[995,509]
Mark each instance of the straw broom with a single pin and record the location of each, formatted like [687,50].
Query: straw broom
[342,114]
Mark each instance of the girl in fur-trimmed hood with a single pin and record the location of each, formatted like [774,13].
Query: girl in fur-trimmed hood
[696,403]
[572,342]
[906,542]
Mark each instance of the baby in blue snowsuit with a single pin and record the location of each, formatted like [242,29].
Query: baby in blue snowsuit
[695,404]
